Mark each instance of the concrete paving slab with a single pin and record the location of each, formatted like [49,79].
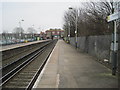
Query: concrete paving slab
[68,68]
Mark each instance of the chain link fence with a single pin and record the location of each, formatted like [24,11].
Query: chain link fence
[97,46]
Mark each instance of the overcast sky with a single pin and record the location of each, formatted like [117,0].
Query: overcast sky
[43,15]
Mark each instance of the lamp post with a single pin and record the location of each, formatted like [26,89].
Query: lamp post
[76,31]
[33,32]
[70,8]
[20,34]
[40,33]
[69,33]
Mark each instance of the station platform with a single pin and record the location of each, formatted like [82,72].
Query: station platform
[12,46]
[69,68]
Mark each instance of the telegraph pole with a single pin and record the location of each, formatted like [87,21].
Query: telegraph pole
[115,49]
[115,54]
[114,43]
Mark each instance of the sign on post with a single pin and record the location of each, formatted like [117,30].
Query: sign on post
[113,16]
[114,45]
[116,14]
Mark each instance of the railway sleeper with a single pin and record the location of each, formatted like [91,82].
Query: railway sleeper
[24,77]
[19,79]
[16,85]
[9,86]
[29,73]
[19,83]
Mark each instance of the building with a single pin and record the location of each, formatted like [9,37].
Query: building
[54,34]
[42,36]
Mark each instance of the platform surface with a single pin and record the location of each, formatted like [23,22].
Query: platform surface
[7,47]
[68,68]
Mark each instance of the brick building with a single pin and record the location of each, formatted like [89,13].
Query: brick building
[54,33]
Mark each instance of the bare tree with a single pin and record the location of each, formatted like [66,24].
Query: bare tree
[31,31]
[18,32]
[92,19]
[97,14]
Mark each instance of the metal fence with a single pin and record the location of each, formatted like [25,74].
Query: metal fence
[97,46]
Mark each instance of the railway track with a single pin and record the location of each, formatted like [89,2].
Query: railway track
[24,72]
[20,53]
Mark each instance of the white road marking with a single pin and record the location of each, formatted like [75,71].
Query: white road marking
[58,80]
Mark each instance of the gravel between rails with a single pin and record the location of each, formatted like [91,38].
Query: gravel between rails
[23,78]
[7,61]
